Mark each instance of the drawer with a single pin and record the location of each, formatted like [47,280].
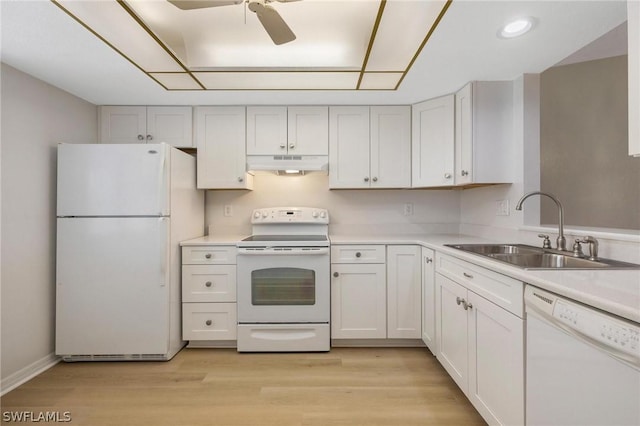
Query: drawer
[504,291]
[209,321]
[209,255]
[209,283]
[358,254]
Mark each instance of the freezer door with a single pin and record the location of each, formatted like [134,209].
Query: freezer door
[112,288]
[113,180]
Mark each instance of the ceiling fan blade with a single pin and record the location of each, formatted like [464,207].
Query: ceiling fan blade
[201,4]
[273,23]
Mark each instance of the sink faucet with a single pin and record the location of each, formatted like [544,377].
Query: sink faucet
[593,246]
[561,241]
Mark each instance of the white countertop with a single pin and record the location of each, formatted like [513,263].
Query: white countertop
[614,291]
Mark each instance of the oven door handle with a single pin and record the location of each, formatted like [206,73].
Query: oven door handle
[282,251]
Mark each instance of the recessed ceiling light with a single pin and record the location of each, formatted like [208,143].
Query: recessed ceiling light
[516,28]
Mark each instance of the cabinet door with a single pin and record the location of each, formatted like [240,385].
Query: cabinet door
[451,330]
[390,146]
[266,130]
[220,137]
[429,299]
[308,130]
[358,301]
[432,142]
[496,362]
[464,135]
[404,291]
[172,125]
[349,147]
[123,124]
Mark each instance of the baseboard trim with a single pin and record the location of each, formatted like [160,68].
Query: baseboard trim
[27,373]
[377,343]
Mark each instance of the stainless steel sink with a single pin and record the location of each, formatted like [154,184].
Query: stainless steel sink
[529,257]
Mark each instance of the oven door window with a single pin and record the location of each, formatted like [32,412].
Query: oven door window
[283,286]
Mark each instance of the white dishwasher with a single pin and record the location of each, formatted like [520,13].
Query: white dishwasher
[582,365]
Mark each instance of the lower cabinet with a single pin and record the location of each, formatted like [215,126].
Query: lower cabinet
[375,292]
[481,345]
[429,299]
[209,293]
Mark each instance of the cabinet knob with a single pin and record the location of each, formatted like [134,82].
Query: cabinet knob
[464,173]
[149,137]
[428,259]
[292,146]
[358,254]
[208,284]
[375,179]
[459,300]
[282,146]
[240,179]
[366,179]
[140,137]
[208,255]
[208,322]
[468,305]
[335,274]
[447,175]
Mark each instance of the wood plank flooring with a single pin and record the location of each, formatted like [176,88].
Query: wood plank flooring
[347,386]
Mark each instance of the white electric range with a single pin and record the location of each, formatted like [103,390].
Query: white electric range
[283,281]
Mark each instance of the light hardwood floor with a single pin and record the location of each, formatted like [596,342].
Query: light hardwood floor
[347,386]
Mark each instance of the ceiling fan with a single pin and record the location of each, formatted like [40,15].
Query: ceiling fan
[270,19]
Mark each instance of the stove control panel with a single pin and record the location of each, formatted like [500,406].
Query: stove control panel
[276,215]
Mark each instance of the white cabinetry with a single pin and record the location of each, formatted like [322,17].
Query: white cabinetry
[429,299]
[208,293]
[484,134]
[404,302]
[633,34]
[480,333]
[153,124]
[358,292]
[301,130]
[370,147]
[432,142]
[220,137]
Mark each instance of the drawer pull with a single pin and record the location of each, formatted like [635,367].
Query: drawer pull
[358,254]
[209,322]
[208,255]
[335,274]
[208,284]
[467,275]
[428,259]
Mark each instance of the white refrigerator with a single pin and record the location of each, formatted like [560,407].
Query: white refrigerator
[121,212]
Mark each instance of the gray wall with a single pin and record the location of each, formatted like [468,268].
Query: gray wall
[35,118]
[584,144]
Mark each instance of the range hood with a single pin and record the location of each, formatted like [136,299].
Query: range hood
[303,163]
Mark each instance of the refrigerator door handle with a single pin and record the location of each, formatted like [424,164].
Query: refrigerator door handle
[162,182]
[164,243]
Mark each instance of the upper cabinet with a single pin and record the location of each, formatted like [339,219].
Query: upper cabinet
[465,138]
[220,137]
[433,142]
[370,147]
[301,130]
[484,134]
[140,124]
[633,31]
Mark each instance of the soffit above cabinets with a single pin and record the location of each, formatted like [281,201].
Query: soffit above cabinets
[339,44]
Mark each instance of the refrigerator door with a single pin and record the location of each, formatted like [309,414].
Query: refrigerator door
[112,286]
[113,180]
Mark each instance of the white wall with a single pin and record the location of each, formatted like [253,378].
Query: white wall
[351,211]
[35,118]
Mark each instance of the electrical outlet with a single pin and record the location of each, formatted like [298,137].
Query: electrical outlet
[502,208]
[408,209]
[228,210]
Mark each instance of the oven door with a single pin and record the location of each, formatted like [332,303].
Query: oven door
[283,285]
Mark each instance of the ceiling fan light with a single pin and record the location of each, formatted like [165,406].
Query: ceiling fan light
[516,28]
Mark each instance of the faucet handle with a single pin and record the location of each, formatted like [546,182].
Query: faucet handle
[546,243]
[577,248]
[593,246]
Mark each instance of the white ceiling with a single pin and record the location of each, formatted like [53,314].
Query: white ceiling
[40,39]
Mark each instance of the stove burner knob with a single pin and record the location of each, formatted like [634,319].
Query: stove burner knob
[265,214]
[323,214]
[314,214]
[256,214]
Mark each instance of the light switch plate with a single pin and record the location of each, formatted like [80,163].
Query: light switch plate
[502,208]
